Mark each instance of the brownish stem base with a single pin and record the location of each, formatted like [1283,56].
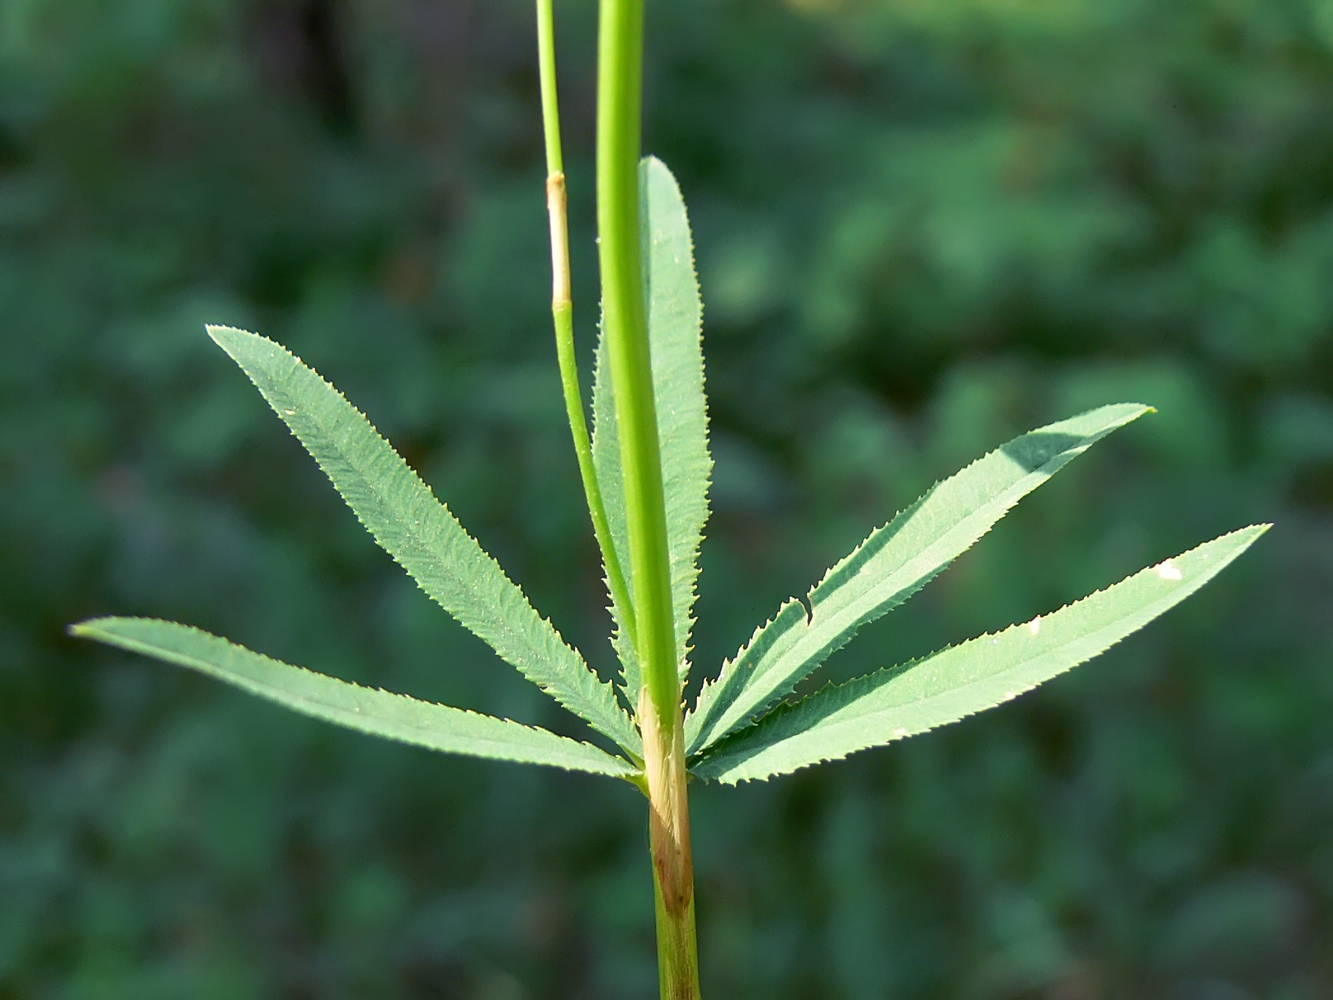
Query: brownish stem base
[673,859]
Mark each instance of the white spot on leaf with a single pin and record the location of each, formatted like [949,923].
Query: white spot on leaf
[900,732]
[1169,571]
[1034,626]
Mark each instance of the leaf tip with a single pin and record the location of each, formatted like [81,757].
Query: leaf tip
[1254,532]
[1246,536]
[95,628]
[227,337]
[1132,412]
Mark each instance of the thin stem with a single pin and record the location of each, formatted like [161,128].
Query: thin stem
[619,107]
[562,313]
[555,157]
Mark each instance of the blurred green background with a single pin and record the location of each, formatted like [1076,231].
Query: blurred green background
[923,226]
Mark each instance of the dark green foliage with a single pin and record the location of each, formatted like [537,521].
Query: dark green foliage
[920,234]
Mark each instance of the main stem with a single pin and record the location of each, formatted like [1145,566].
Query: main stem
[624,310]
[624,313]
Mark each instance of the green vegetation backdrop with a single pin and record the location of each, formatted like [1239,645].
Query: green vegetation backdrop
[924,226]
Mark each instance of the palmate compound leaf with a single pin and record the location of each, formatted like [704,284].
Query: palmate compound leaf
[368,710]
[422,534]
[959,681]
[891,565]
[675,323]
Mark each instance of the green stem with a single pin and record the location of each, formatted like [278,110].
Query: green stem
[619,108]
[555,157]
[562,313]
[624,311]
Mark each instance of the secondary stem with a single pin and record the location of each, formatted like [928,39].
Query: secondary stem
[619,109]
[562,313]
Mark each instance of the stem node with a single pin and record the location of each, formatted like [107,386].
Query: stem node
[557,210]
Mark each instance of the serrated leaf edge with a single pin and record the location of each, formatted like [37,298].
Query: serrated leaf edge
[625,734]
[871,680]
[701,739]
[95,628]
